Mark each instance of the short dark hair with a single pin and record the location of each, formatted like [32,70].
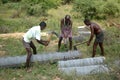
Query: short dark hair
[42,24]
[86,20]
[67,16]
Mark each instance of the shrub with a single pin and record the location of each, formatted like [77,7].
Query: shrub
[4,29]
[39,7]
[85,8]
[97,9]
[33,7]
[111,8]
[0,2]
[4,1]
[67,1]
[15,0]
[35,10]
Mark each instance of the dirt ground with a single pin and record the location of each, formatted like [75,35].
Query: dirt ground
[11,35]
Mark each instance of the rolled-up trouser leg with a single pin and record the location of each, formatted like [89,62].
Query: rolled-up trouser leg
[70,41]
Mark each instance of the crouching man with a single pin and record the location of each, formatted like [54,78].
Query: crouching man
[33,33]
[95,30]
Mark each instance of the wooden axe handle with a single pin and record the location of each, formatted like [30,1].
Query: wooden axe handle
[80,43]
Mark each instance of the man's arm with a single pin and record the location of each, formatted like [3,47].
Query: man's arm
[43,42]
[92,35]
[61,25]
[70,26]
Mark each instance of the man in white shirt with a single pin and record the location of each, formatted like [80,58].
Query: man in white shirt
[33,33]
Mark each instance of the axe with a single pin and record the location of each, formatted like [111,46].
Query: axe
[75,46]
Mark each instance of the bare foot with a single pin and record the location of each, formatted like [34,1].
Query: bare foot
[29,70]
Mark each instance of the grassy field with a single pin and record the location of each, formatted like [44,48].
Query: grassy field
[48,71]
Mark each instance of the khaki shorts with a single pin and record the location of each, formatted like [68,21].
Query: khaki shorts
[25,44]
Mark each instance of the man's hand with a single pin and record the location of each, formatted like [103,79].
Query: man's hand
[88,43]
[46,43]
[65,35]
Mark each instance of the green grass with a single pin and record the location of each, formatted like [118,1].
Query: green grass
[39,72]
[14,47]
[48,71]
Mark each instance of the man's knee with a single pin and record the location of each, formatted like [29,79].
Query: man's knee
[94,50]
[60,39]
[34,48]
[70,39]
[29,56]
